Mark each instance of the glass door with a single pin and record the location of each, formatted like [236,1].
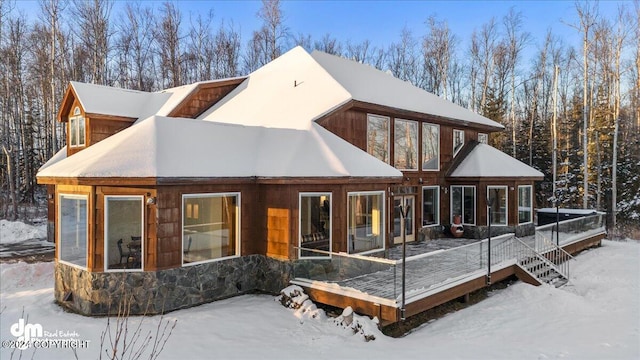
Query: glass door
[404,202]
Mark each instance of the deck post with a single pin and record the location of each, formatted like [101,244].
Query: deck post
[404,211]
[489,243]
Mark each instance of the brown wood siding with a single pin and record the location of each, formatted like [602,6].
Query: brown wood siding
[203,97]
[169,220]
[102,128]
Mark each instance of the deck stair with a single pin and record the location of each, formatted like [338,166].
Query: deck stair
[550,266]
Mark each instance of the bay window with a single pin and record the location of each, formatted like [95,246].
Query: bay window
[73,232]
[123,232]
[463,204]
[210,227]
[498,202]
[525,201]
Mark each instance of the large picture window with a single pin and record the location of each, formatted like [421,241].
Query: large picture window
[458,141]
[463,204]
[77,129]
[430,147]
[210,227]
[405,153]
[525,201]
[430,205]
[123,233]
[365,221]
[378,137]
[315,224]
[498,199]
[73,229]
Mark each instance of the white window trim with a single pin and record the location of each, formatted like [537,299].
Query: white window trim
[475,201]
[530,202]
[238,227]
[438,148]
[485,135]
[300,195]
[72,196]
[506,215]
[437,188]
[384,220]
[417,124]
[77,115]
[106,233]
[388,135]
[453,142]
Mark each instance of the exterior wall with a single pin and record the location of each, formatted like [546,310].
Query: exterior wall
[155,292]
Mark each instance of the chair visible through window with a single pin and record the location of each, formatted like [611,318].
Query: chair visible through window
[123,254]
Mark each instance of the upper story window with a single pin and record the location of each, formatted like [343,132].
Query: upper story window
[405,155]
[458,141]
[430,147]
[378,137]
[483,138]
[77,129]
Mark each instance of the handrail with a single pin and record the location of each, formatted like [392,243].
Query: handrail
[524,259]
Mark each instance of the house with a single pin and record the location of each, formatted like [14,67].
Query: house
[210,190]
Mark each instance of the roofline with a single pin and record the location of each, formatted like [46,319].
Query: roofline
[457,160]
[485,178]
[150,181]
[64,109]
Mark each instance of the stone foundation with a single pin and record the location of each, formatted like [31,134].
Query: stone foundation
[156,292]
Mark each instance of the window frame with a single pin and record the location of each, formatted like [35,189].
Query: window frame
[437,219]
[84,197]
[106,233]
[74,124]
[238,226]
[383,220]
[475,203]
[388,136]
[422,143]
[455,152]
[300,248]
[415,147]
[506,205]
[530,204]
[485,136]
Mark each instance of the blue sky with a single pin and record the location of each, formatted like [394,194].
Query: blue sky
[382,21]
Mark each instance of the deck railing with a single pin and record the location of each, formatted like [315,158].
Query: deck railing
[569,231]
[434,271]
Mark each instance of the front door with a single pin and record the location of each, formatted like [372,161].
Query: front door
[404,201]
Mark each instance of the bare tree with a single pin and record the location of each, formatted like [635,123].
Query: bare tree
[438,48]
[169,43]
[93,30]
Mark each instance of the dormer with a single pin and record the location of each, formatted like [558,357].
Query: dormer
[86,123]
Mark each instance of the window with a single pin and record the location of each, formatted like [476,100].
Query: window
[458,141]
[405,155]
[73,229]
[210,227]
[525,209]
[315,224]
[483,138]
[498,202]
[378,137]
[463,203]
[123,232]
[430,147]
[430,205]
[77,129]
[365,221]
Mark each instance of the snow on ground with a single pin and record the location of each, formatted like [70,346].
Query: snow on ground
[17,231]
[597,316]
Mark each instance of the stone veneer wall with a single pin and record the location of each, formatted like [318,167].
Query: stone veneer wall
[155,292]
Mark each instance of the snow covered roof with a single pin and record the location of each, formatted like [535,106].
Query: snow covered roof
[298,88]
[368,84]
[487,161]
[289,92]
[208,149]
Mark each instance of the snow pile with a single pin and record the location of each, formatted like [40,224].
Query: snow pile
[294,297]
[17,231]
[358,324]
[24,276]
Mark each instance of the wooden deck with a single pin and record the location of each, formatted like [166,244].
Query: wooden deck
[379,293]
